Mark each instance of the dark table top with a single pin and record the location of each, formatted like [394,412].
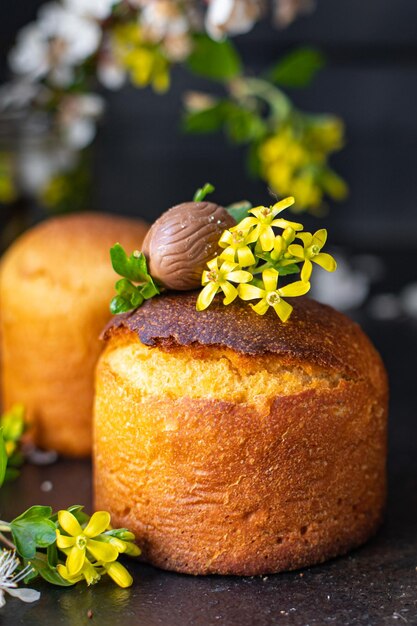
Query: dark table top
[373,586]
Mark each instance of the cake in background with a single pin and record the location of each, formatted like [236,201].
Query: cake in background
[55,286]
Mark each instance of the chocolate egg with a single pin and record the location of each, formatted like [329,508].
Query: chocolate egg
[182,240]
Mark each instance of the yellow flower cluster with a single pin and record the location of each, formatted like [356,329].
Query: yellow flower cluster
[93,550]
[254,257]
[294,160]
[142,59]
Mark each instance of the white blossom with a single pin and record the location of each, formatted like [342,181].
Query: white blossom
[97,9]
[77,117]
[76,38]
[57,42]
[29,57]
[9,580]
[345,289]
[18,94]
[110,72]
[38,163]
[409,299]
[233,17]
[161,18]
[163,21]
[384,306]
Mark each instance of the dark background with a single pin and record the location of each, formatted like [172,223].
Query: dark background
[143,163]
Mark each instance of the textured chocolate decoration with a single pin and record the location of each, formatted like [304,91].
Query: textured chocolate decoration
[182,240]
[314,332]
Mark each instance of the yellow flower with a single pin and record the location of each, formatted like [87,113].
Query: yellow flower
[79,541]
[271,295]
[282,242]
[327,134]
[118,573]
[263,222]
[307,191]
[293,161]
[144,60]
[218,278]
[88,573]
[311,252]
[237,248]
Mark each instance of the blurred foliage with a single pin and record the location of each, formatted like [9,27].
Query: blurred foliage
[70,48]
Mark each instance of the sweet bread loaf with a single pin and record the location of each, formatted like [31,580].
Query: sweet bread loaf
[55,285]
[232,443]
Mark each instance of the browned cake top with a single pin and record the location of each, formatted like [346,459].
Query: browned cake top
[314,332]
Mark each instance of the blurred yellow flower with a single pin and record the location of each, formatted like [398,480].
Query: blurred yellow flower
[294,161]
[271,295]
[326,134]
[143,60]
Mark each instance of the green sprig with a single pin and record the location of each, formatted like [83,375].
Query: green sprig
[203,191]
[35,534]
[136,285]
[12,424]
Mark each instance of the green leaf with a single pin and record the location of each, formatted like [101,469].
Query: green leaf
[41,566]
[149,290]
[16,459]
[35,512]
[78,512]
[217,60]
[244,126]
[298,68]
[253,163]
[3,458]
[203,191]
[121,533]
[129,292]
[120,305]
[133,267]
[208,120]
[33,529]
[286,270]
[239,210]
[52,555]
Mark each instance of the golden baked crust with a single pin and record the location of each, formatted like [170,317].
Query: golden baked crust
[315,332]
[56,283]
[235,444]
